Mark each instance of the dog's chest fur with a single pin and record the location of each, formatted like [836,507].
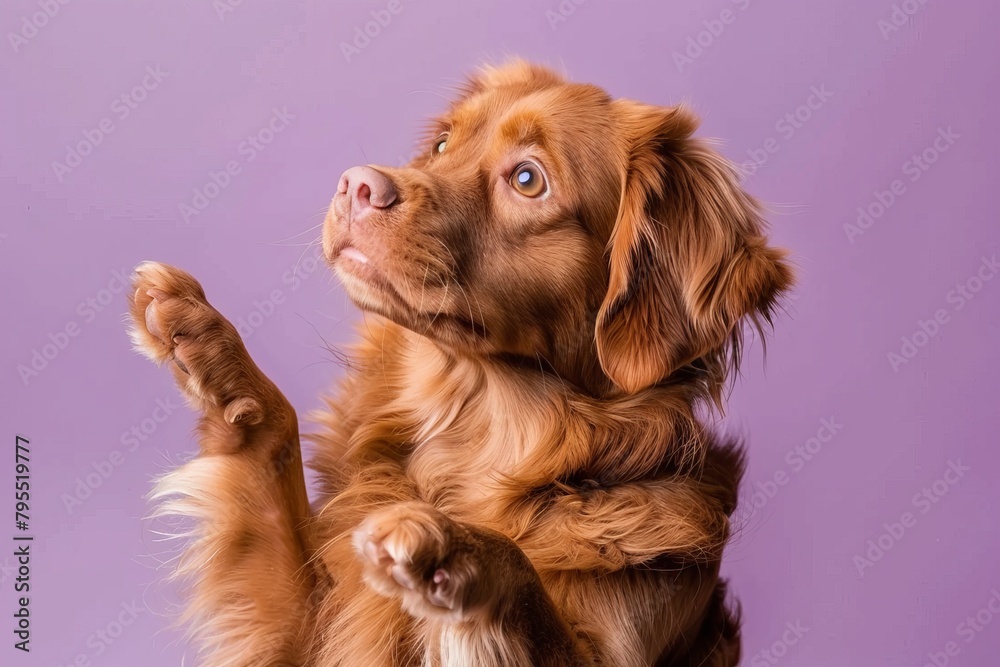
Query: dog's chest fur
[472,430]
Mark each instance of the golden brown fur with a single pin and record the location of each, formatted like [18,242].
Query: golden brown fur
[512,472]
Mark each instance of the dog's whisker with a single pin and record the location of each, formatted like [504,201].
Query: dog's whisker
[295,236]
[429,92]
[444,299]
[314,244]
[423,285]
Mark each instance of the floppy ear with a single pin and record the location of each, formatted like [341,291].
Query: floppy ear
[688,254]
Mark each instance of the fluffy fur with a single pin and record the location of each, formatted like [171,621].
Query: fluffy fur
[512,472]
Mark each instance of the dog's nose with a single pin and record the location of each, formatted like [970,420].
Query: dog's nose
[367,189]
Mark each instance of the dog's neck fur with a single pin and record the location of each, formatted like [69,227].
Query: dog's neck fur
[467,427]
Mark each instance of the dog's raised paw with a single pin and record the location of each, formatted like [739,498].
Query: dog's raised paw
[166,304]
[172,322]
[412,551]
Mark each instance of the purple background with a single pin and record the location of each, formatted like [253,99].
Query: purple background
[61,242]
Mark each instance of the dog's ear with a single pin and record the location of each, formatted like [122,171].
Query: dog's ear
[688,255]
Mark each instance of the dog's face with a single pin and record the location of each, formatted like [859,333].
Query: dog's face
[548,223]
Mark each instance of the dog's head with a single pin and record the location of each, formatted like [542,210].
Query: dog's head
[548,223]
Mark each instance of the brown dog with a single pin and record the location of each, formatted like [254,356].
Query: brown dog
[512,472]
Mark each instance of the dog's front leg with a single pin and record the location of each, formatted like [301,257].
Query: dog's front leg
[482,600]
[245,492]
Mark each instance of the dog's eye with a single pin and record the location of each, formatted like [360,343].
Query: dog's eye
[440,144]
[528,179]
